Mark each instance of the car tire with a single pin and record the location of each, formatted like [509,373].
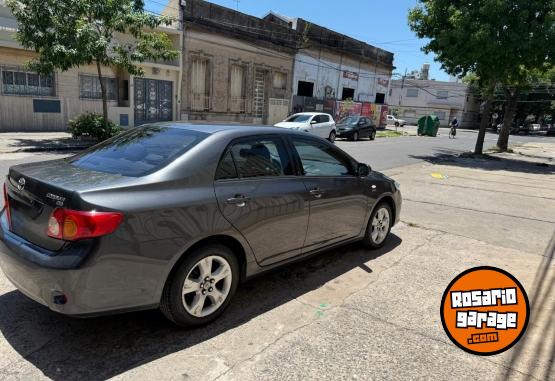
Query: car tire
[355,136]
[396,124]
[183,308]
[378,228]
[332,136]
[373,135]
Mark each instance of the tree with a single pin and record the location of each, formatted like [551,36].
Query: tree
[67,34]
[491,38]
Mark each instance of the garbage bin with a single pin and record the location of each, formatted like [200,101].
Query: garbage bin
[428,125]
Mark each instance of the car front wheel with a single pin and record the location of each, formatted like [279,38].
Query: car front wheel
[379,226]
[332,136]
[373,135]
[202,286]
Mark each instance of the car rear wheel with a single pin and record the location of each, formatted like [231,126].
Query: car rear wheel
[379,226]
[396,124]
[202,286]
[332,136]
[373,135]
[355,136]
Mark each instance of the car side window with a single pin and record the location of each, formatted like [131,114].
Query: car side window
[226,168]
[317,119]
[255,157]
[319,159]
[324,118]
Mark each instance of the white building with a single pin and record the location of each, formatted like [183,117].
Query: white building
[411,99]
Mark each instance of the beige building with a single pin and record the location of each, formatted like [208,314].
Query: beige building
[413,98]
[32,102]
[235,68]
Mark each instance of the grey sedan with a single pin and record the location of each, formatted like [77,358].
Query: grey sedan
[176,215]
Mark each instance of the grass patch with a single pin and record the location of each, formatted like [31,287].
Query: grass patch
[389,134]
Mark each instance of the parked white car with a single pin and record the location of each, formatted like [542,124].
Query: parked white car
[396,122]
[315,123]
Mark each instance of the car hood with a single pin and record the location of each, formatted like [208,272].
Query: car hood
[291,124]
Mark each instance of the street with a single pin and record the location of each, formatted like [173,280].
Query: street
[350,312]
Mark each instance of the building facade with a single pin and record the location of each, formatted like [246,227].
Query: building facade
[411,99]
[335,67]
[32,102]
[235,69]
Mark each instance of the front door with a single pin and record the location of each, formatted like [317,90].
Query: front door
[153,100]
[258,194]
[338,206]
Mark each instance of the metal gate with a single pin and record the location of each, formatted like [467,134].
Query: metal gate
[153,100]
[259,98]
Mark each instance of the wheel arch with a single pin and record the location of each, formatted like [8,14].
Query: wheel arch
[221,239]
[388,199]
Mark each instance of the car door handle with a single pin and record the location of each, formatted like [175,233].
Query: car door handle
[316,193]
[238,200]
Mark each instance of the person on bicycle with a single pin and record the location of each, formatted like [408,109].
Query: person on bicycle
[454,126]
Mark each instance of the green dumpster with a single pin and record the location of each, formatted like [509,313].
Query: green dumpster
[428,125]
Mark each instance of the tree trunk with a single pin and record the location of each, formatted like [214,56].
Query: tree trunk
[104,96]
[483,126]
[509,116]
[488,104]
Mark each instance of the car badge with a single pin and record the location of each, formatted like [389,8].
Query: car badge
[21,183]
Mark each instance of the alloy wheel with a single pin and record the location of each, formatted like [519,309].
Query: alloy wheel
[332,136]
[380,226]
[207,286]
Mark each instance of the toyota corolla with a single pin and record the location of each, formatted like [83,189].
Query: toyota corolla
[174,216]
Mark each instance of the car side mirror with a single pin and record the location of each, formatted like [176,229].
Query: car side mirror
[363,170]
[313,122]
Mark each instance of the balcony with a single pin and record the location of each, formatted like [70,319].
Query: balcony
[237,104]
[199,102]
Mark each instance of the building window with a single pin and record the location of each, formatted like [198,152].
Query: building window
[237,88]
[409,113]
[305,89]
[347,93]
[440,115]
[89,87]
[200,84]
[442,94]
[380,98]
[279,84]
[412,93]
[26,83]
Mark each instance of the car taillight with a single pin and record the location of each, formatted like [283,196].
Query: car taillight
[7,205]
[72,225]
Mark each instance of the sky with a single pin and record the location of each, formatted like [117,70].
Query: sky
[382,24]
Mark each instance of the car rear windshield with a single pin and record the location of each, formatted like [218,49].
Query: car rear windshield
[140,151]
[298,118]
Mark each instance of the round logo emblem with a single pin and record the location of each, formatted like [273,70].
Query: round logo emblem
[21,183]
[485,310]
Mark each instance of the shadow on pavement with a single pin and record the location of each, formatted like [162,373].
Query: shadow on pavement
[487,162]
[542,301]
[66,348]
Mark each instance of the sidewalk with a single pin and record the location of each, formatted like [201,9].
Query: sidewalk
[13,142]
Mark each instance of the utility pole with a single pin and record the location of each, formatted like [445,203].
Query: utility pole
[237,4]
[402,85]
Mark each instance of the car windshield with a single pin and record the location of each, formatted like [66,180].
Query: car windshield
[139,151]
[349,120]
[299,118]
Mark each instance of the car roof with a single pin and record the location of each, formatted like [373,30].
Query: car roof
[310,113]
[213,128]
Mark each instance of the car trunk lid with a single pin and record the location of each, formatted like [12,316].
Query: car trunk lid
[35,190]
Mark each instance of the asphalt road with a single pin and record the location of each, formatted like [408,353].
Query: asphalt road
[381,154]
[387,153]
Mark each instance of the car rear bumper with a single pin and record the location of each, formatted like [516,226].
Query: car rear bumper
[105,286]
[345,133]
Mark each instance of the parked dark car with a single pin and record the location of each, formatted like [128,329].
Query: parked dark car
[356,127]
[550,129]
[175,215]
